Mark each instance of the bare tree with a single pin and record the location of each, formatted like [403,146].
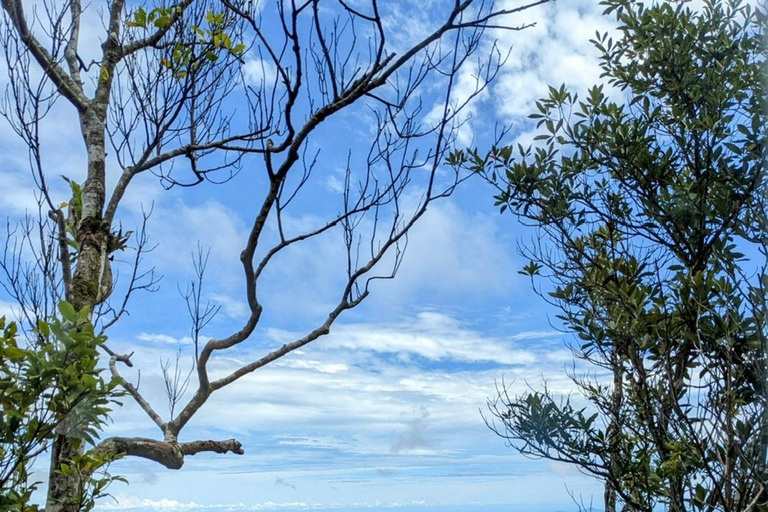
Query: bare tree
[160,94]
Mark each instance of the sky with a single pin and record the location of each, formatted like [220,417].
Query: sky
[386,412]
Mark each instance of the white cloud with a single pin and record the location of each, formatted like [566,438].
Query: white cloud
[434,336]
[317,442]
[124,502]
[363,392]
[230,306]
[329,432]
[309,364]
[8,310]
[350,383]
[557,50]
[17,196]
[164,339]
[259,72]
[178,227]
[132,502]
[462,104]
[535,335]
[406,25]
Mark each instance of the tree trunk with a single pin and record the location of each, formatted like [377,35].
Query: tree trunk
[63,491]
[762,443]
[91,284]
[614,430]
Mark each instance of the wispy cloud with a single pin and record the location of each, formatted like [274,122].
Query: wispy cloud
[230,307]
[8,310]
[416,436]
[164,339]
[434,336]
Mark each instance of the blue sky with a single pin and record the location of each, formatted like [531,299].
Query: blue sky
[384,413]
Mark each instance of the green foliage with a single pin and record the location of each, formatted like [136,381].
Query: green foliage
[75,213]
[159,17]
[210,39]
[649,193]
[51,386]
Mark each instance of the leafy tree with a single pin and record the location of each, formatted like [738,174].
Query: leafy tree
[51,386]
[168,93]
[649,197]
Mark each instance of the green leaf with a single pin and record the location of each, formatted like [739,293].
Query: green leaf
[67,311]
[14,354]
[162,21]
[140,17]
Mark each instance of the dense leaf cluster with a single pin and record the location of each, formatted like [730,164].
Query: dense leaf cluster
[50,385]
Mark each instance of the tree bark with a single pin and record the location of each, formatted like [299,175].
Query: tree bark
[91,284]
[614,431]
[169,454]
[63,491]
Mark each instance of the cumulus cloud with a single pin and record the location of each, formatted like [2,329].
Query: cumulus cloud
[555,51]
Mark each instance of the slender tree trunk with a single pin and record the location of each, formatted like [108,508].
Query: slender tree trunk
[610,497]
[91,284]
[614,430]
[762,449]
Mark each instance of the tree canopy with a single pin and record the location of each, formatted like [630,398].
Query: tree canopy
[649,198]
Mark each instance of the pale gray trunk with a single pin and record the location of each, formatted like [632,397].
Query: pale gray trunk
[91,284]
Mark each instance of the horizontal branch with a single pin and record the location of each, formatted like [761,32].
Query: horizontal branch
[171,455]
